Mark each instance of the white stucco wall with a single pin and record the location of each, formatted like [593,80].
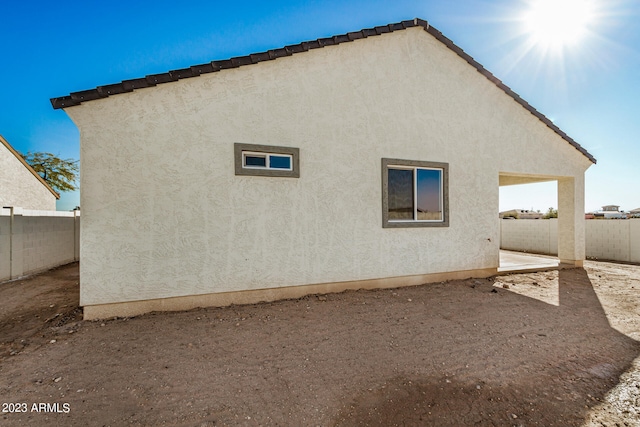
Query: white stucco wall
[19,187]
[164,214]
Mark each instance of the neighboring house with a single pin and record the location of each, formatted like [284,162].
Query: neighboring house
[521,214]
[20,185]
[609,212]
[634,213]
[366,160]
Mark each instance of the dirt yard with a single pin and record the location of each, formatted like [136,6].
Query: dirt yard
[557,348]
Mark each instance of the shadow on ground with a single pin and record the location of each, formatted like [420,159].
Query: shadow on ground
[549,366]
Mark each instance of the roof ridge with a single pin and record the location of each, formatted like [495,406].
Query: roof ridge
[76,98]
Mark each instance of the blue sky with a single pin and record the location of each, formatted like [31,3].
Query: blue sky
[589,88]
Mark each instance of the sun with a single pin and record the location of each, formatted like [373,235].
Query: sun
[558,24]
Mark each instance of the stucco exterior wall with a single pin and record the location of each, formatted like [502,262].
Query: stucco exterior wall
[180,222]
[19,187]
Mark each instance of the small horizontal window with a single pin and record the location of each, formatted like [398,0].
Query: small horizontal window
[266,160]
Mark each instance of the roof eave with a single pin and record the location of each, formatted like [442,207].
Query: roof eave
[77,98]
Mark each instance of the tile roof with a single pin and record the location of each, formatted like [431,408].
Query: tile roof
[76,98]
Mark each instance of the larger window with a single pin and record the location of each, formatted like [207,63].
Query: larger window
[414,193]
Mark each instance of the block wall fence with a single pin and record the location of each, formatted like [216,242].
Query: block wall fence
[33,240]
[616,240]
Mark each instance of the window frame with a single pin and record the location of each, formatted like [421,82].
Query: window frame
[241,150]
[414,165]
[267,157]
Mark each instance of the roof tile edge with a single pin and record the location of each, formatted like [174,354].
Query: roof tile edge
[77,98]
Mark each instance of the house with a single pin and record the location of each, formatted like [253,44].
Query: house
[341,163]
[634,213]
[20,185]
[609,212]
[521,214]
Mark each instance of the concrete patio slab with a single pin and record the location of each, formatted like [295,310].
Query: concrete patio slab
[522,262]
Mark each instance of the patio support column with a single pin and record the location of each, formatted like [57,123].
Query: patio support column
[571,243]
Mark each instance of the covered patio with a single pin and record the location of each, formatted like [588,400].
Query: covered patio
[571,234]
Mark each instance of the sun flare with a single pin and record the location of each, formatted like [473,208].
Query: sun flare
[557,24]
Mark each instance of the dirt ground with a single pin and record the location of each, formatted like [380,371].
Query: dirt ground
[555,348]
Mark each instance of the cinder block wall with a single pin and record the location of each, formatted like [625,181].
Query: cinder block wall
[536,236]
[5,245]
[32,241]
[614,239]
[48,242]
[634,240]
[617,240]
